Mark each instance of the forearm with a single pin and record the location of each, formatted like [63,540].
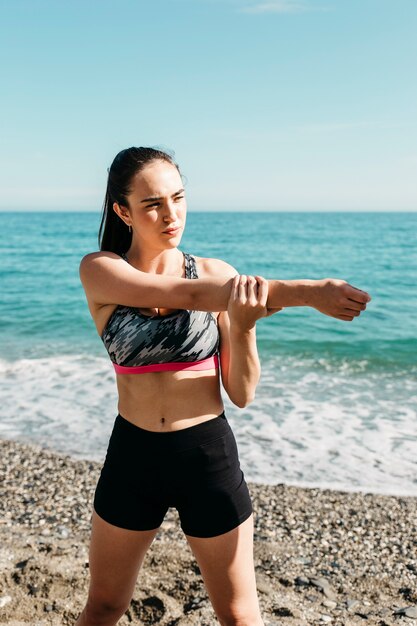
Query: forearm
[244,366]
[212,294]
[286,293]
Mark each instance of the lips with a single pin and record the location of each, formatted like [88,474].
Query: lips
[170,231]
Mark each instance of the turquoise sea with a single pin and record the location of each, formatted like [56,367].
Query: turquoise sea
[337,402]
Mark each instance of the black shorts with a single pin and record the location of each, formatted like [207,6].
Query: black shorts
[195,470]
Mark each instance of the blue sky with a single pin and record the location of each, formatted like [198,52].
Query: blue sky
[267,105]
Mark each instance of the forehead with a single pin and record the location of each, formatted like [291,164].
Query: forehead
[156,179]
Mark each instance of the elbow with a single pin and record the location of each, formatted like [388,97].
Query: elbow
[242,396]
[243,402]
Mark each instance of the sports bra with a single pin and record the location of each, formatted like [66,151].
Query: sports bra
[182,340]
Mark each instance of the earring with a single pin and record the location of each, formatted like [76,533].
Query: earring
[130,228]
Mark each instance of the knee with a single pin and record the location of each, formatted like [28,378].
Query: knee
[102,611]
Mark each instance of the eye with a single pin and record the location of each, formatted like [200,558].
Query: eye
[149,206]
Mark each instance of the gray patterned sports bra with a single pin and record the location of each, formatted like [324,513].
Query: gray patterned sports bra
[182,340]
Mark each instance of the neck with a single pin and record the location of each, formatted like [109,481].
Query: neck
[155,261]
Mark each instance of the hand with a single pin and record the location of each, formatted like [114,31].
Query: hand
[339,299]
[247,302]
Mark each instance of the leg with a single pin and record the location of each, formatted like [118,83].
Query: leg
[227,567]
[116,555]
[128,510]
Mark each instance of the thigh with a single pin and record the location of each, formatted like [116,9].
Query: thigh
[128,509]
[129,493]
[115,557]
[227,567]
[212,496]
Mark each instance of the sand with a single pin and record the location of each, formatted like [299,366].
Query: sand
[321,556]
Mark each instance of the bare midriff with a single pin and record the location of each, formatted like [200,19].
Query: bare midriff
[170,400]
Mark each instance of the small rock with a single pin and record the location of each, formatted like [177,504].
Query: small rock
[326,618]
[329,593]
[411,611]
[351,604]
[319,582]
[4,600]
[264,587]
[64,533]
[283,611]
[329,604]
[323,584]
[22,564]
[408,611]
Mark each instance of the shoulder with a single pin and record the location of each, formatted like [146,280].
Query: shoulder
[94,259]
[99,254]
[214,267]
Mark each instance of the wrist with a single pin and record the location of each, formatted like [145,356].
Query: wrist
[239,332]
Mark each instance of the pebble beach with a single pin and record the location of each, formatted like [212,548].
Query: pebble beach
[321,556]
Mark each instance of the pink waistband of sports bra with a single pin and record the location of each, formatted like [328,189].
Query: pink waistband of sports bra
[204,364]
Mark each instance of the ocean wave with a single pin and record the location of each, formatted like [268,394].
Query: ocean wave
[311,424]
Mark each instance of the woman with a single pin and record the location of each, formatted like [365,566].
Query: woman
[171,443]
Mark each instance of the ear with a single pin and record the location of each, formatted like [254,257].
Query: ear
[118,210]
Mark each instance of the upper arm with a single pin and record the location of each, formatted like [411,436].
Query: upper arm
[109,279]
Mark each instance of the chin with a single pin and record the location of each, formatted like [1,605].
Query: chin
[173,242]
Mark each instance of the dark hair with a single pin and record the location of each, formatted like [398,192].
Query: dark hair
[114,234]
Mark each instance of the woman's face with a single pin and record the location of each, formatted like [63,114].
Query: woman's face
[157,203]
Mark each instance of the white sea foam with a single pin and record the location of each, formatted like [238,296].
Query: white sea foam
[65,403]
[311,424]
[328,429]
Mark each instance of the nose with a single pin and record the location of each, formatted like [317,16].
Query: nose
[170,211]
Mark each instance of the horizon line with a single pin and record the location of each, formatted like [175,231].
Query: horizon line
[298,210]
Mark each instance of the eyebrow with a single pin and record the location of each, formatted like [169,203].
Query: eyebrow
[160,198]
